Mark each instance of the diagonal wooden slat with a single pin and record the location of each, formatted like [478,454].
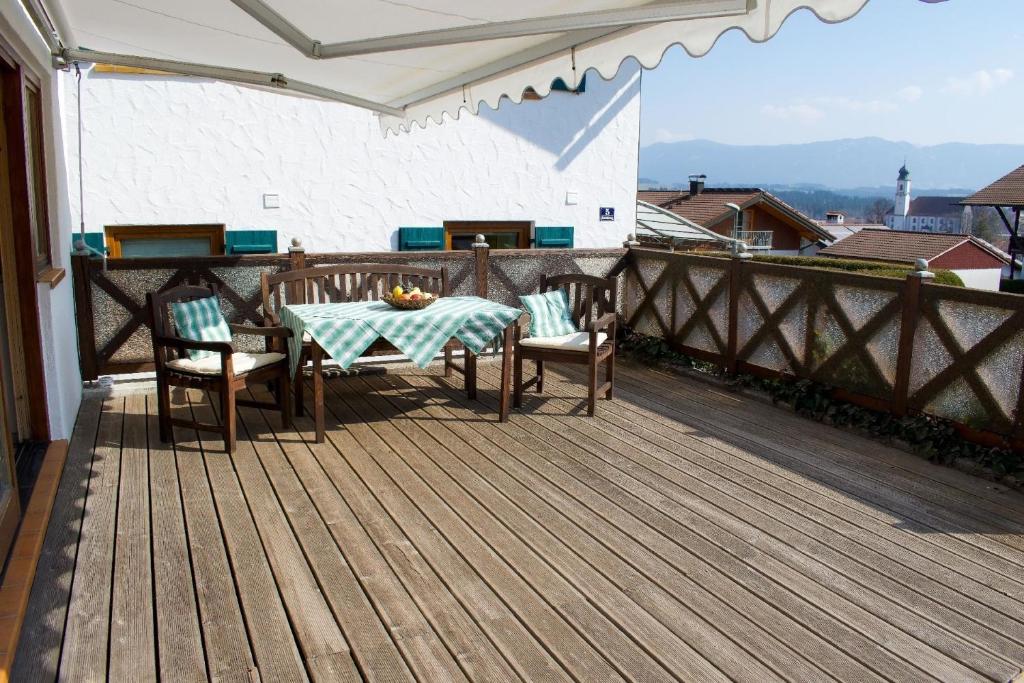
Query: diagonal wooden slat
[967,361]
[702,310]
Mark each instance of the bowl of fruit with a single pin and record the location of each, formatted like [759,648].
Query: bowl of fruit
[412,300]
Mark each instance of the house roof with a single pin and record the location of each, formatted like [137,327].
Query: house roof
[942,207]
[1007,191]
[708,208]
[840,232]
[903,246]
[655,221]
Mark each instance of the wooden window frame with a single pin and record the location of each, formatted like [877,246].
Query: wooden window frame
[523,230]
[35,152]
[117,234]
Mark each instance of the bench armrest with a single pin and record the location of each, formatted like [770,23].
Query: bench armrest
[261,331]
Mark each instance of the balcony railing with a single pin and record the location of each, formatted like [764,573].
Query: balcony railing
[755,239]
[896,345]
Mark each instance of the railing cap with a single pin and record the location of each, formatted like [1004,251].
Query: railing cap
[480,243]
[296,246]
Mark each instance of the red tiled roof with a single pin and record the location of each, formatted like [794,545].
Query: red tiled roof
[1007,191]
[708,208]
[901,246]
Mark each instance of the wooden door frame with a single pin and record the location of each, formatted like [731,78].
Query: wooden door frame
[19,242]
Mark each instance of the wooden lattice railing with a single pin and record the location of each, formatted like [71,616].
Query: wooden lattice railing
[110,296]
[898,345]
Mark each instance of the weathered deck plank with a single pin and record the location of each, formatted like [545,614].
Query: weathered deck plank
[132,656]
[86,635]
[225,638]
[179,637]
[684,532]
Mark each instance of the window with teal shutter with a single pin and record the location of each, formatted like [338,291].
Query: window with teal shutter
[553,237]
[421,239]
[94,240]
[237,242]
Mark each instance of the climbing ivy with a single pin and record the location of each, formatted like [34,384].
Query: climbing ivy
[931,437]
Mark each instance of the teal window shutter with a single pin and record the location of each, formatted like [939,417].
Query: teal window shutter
[94,240]
[237,242]
[553,237]
[421,239]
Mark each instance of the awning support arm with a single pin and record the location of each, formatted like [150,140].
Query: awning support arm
[672,10]
[66,57]
[497,30]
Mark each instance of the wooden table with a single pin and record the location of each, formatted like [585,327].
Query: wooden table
[347,331]
[468,371]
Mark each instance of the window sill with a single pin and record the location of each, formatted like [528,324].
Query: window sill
[51,276]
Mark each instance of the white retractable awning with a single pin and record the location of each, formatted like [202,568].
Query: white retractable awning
[410,60]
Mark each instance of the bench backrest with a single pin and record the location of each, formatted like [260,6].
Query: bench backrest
[589,296]
[349,282]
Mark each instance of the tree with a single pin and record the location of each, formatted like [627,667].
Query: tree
[986,224]
[877,211]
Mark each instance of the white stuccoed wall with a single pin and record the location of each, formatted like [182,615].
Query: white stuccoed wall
[185,150]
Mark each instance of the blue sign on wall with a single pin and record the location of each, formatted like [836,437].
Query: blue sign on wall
[607,213]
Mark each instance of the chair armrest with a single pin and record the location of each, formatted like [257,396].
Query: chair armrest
[260,331]
[181,343]
[602,323]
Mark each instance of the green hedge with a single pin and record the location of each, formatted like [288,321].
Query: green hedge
[876,268]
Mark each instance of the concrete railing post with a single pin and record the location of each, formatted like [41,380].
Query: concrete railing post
[740,255]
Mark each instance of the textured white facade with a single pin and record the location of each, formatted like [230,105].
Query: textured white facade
[185,150]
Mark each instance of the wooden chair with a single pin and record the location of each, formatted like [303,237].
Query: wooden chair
[345,283]
[226,374]
[593,310]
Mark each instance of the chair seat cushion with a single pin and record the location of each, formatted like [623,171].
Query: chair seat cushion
[578,341]
[243,363]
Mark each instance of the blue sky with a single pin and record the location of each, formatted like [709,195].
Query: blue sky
[901,70]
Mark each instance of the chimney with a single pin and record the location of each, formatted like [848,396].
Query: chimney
[697,184]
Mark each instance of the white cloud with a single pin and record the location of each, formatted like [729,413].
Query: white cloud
[911,93]
[854,104]
[666,135]
[978,83]
[803,113]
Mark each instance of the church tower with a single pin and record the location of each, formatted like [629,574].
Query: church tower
[902,205]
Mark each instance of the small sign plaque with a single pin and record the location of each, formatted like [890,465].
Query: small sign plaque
[607,213]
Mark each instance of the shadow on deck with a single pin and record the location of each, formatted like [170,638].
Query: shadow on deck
[684,533]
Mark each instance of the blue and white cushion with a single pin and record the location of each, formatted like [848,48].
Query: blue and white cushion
[201,320]
[549,314]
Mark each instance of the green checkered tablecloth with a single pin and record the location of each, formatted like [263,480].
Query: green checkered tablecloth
[345,330]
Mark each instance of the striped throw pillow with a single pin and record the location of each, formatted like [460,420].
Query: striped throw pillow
[201,320]
[549,314]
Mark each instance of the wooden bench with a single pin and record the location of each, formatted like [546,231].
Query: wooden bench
[355,282]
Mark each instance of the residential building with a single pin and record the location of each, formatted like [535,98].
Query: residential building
[1006,197]
[325,173]
[764,222]
[837,225]
[926,213]
[975,261]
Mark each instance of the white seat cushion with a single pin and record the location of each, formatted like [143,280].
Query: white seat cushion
[578,341]
[243,363]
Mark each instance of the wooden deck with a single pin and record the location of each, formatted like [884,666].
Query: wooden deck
[684,533]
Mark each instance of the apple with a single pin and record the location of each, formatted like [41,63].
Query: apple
[415,290]
[406,296]
[415,296]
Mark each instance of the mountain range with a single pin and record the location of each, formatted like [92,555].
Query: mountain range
[857,166]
